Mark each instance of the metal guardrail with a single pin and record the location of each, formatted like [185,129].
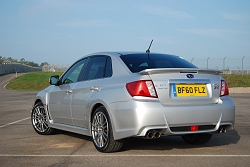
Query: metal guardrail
[242,72]
[54,68]
[19,68]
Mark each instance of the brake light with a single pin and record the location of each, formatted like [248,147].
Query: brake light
[224,88]
[141,88]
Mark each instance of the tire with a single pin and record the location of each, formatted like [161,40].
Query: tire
[102,134]
[39,120]
[197,139]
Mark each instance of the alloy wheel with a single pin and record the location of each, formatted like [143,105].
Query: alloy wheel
[100,129]
[39,119]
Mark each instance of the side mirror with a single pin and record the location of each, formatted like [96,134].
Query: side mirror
[54,80]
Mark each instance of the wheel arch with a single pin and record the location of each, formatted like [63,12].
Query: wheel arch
[93,110]
[109,143]
[44,102]
[37,101]
[94,107]
[40,120]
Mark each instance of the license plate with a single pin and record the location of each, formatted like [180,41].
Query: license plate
[184,90]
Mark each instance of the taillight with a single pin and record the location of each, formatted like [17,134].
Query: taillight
[224,88]
[141,88]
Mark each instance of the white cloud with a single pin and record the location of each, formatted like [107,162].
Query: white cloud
[165,12]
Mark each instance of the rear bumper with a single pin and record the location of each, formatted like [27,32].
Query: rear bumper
[138,116]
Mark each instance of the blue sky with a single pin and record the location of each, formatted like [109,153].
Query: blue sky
[62,31]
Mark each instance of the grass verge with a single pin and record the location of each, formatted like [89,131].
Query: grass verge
[237,80]
[31,81]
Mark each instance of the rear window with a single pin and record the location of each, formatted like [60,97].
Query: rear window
[139,62]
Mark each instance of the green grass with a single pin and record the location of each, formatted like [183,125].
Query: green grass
[40,80]
[237,80]
[31,81]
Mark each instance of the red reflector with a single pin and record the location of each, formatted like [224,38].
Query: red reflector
[193,128]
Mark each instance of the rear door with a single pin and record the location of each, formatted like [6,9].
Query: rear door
[98,68]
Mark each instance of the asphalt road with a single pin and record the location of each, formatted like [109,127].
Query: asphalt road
[20,145]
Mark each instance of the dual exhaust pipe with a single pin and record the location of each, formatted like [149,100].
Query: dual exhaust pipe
[153,134]
[222,130]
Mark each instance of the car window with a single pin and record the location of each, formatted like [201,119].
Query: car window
[96,68]
[74,72]
[139,62]
[108,68]
[164,64]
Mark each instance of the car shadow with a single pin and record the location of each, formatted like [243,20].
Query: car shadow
[176,142]
[76,135]
[167,142]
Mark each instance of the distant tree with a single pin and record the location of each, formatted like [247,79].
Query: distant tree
[1,60]
[44,63]
[32,64]
[22,61]
[4,60]
[15,61]
[10,60]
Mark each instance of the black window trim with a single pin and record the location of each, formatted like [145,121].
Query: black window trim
[80,77]
[81,73]
[86,64]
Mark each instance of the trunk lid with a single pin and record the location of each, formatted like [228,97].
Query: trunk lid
[185,86]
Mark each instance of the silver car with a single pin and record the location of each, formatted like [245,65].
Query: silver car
[112,96]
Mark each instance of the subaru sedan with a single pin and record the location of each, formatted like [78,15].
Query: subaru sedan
[112,96]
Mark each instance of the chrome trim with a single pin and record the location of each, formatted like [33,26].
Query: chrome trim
[189,81]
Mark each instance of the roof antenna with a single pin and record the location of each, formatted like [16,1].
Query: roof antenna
[148,51]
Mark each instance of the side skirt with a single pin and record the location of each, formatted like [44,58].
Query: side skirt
[70,128]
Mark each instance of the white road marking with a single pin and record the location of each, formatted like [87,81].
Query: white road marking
[6,85]
[14,122]
[122,155]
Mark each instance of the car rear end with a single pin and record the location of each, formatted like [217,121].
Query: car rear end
[197,104]
[176,98]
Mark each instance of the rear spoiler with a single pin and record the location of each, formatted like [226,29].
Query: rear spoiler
[180,70]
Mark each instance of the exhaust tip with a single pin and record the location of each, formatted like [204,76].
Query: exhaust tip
[150,135]
[153,134]
[157,134]
[222,130]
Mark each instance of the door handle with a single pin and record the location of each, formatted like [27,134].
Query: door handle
[68,91]
[94,89]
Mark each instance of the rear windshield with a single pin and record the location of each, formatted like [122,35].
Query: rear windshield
[139,62]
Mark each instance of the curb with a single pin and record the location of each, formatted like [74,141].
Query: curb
[239,90]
